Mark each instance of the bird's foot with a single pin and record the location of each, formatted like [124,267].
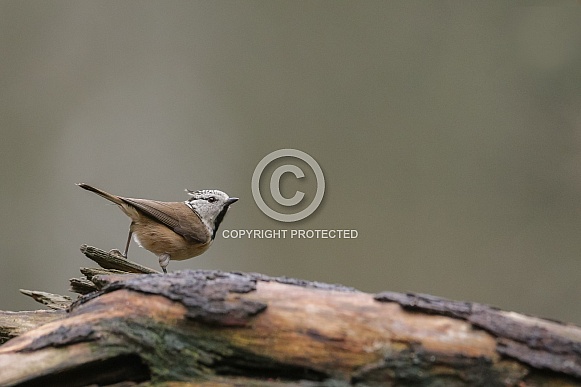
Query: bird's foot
[164,261]
[117,253]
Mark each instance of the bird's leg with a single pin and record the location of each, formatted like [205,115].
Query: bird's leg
[117,252]
[128,242]
[163,261]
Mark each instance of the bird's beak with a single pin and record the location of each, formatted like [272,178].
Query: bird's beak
[231,200]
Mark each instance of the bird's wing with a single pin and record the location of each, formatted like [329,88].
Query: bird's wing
[176,215]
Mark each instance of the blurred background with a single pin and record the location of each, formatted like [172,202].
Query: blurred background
[449,134]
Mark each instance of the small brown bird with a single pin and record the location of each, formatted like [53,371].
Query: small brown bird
[173,230]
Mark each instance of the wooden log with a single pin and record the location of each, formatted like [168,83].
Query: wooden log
[13,324]
[216,328]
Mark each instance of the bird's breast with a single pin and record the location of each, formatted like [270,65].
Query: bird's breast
[159,239]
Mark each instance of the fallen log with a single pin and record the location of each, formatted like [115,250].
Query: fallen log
[218,328]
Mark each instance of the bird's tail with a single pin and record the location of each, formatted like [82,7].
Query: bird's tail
[106,195]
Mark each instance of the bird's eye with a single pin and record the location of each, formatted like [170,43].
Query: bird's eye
[211,199]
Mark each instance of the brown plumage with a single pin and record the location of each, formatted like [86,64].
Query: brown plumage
[172,230]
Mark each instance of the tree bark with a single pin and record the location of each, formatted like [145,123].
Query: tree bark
[217,328]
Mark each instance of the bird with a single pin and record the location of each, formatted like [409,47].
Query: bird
[172,230]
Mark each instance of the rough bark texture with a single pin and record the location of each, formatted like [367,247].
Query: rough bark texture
[540,343]
[13,324]
[216,328]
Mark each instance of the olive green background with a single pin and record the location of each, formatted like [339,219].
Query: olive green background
[449,133]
